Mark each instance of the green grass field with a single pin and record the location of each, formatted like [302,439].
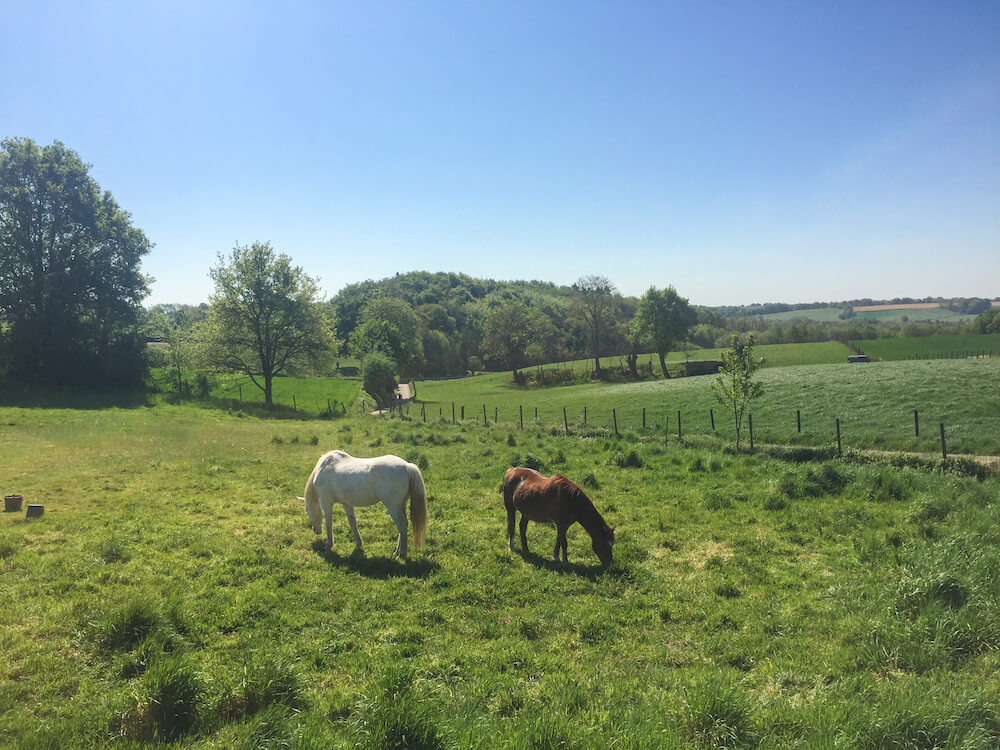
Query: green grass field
[777,355]
[931,347]
[817,314]
[306,396]
[874,403]
[174,592]
[931,314]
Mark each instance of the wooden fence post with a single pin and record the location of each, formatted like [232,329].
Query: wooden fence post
[485,422]
[423,412]
[584,416]
[614,417]
[295,406]
[798,420]
[916,423]
[644,417]
[839,453]
[453,412]
[463,413]
[678,425]
[496,415]
[521,410]
[750,423]
[944,450]
[565,421]
[711,416]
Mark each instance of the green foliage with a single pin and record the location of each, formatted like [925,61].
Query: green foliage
[389,326]
[265,318]
[735,387]
[987,322]
[662,319]
[70,283]
[510,329]
[378,376]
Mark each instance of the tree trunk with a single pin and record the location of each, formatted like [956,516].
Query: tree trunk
[267,390]
[597,365]
[633,369]
[663,365]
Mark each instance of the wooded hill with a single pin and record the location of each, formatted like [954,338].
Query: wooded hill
[449,311]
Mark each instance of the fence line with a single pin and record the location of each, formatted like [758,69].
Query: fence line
[616,424]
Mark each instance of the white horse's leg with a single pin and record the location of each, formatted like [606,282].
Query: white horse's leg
[399,516]
[352,519]
[328,520]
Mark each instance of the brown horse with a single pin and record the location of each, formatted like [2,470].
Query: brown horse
[556,500]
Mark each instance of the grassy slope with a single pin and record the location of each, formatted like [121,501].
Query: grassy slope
[777,355]
[818,314]
[874,403]
[931,314]
[750,600]
[926,347]
[308,395]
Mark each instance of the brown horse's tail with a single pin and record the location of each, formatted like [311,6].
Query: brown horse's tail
[418,506]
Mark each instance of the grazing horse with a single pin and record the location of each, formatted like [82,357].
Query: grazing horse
[556,500]
[355,482]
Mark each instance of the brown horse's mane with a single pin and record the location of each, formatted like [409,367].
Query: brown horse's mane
[590,518]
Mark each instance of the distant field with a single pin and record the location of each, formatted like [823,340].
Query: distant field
[874,403]
[929,347]
[776,355]
[934,314]
[308,395]
[817,314]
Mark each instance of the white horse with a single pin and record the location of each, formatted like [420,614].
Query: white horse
[355,482]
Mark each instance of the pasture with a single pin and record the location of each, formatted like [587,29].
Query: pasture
[173,590]
[293,396]
[874,403]
[953,346]
[777,355]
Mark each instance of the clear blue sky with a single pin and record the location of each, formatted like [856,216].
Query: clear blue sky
[741,151]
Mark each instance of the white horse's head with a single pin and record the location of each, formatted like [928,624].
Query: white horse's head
[314,513]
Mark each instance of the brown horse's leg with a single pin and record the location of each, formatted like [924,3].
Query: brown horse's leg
[510,527]
[560,543]
[524,533]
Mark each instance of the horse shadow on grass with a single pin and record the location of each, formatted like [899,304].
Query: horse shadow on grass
[591,572]
[382,568]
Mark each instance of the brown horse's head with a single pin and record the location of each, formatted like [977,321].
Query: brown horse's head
[603,542]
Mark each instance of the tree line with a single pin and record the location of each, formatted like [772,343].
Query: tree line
[71,292]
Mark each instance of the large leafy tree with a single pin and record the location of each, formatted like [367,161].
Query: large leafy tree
[662,319]
[265,317]
[595,301]
[510,329]
[70,284]
[389,325]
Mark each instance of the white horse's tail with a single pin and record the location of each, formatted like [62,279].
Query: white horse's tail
[418,506]
[311,499]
